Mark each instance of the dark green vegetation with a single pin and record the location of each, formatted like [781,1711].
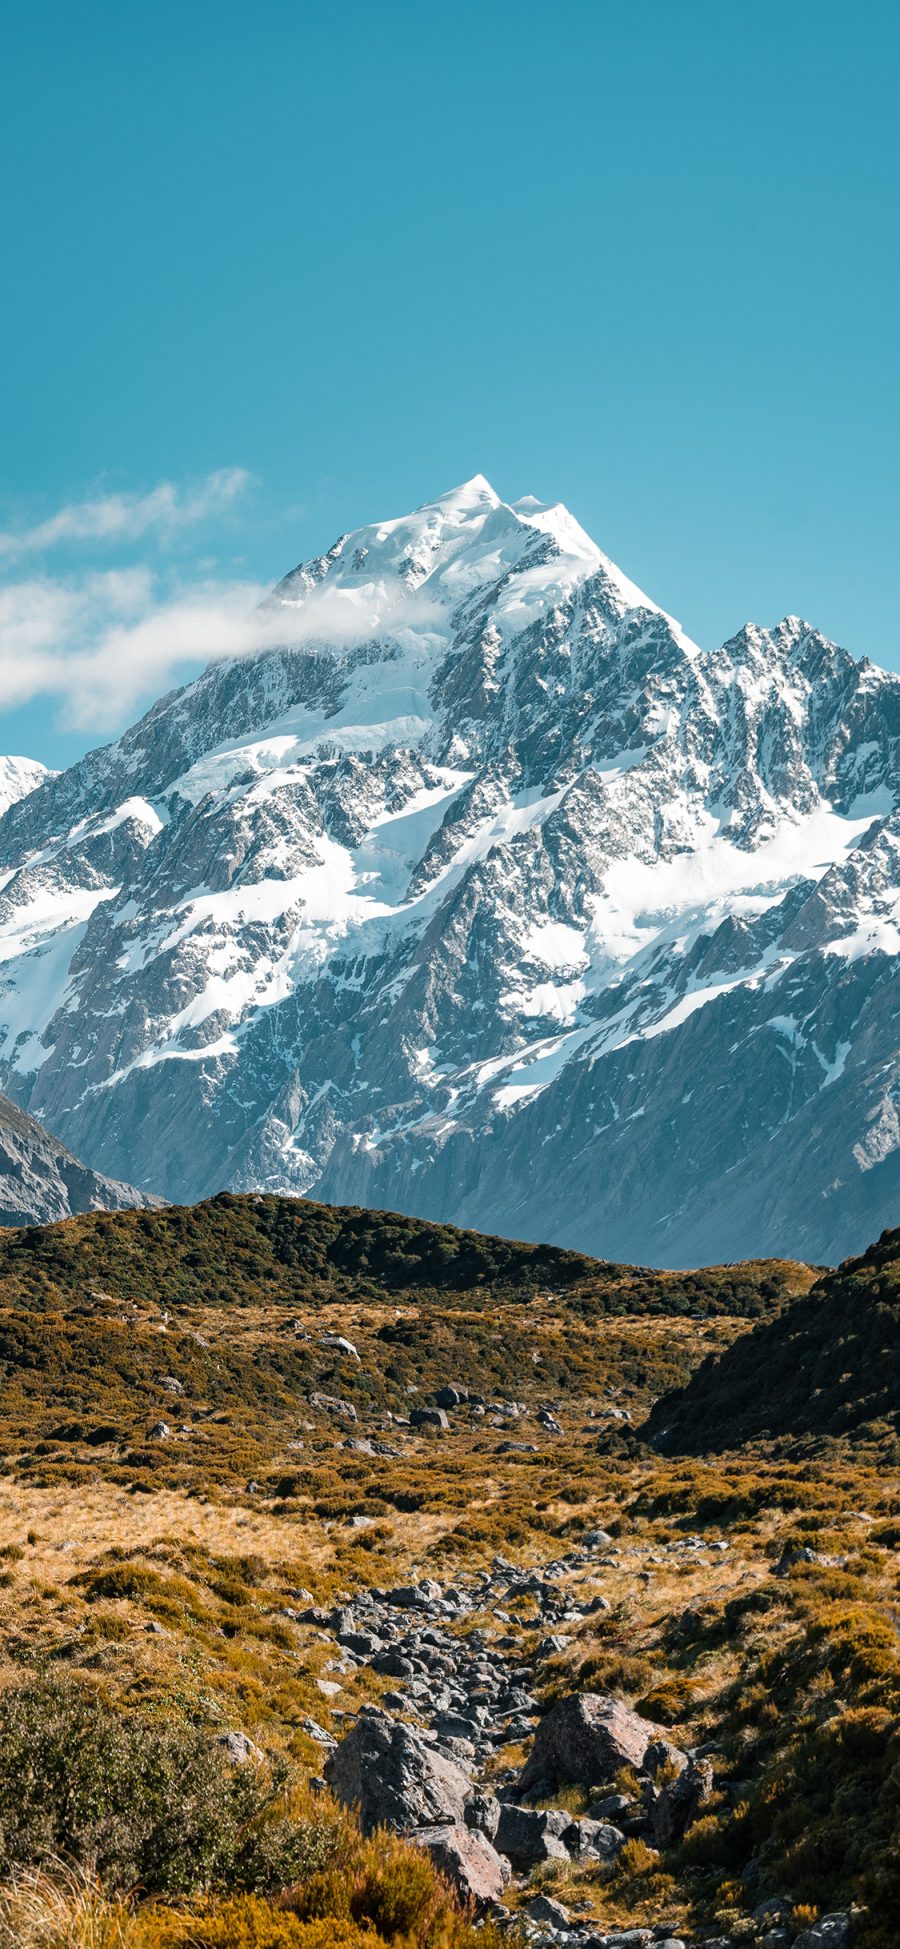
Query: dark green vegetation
[211,1320]
[147,1802]
[827,1368]
[239,1251]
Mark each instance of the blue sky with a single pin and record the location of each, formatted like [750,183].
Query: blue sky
[290,268]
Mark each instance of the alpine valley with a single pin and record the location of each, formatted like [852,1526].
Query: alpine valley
[483,894]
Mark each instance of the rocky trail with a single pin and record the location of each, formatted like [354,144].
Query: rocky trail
[438,1756]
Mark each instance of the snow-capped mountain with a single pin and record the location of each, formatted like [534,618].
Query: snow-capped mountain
[488,896]
[18,777]
[41,1182]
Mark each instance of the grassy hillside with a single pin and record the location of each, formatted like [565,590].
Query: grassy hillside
[239,1251]
[825,1369]
[216,1320]
[196,1481]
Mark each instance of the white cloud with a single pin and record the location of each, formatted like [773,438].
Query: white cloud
[114,518]
[101,643]
[105,643]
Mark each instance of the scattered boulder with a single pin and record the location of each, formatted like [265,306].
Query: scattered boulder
[468,1860]
[528,1835]
[339,1345]
[329,1404]
[391,1776]
[450,1397]
[428,1418]
[483,1812]
[594,1840]
[240,1750]
[678,1802]
[542,1908]
[832,1932]
[585,1740]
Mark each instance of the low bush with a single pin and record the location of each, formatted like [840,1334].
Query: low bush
[155,1805]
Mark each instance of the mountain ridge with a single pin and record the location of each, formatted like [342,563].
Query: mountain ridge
[41,1181]
[485,864]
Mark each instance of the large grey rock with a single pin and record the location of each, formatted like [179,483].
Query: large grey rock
[388,1772]
[543,1908]
[483,1811]
[594,1840]
[468,1860]
[834,1931]
[679,1802]
[585,1740]
[528,1835]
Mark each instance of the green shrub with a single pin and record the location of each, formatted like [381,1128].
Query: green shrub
[154,1804]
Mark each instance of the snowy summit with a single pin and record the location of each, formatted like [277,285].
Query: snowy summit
[485,895]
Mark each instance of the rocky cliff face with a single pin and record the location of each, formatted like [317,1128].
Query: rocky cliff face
[41,1181]
[488,896]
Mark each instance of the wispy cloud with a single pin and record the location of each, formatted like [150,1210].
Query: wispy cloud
[104,644]
[113,518]
[101,642]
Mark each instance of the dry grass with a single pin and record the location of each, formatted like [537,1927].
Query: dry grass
[63,1910]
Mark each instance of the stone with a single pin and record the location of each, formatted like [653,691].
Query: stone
[594,1840]
[832,1932]
[542,1908]
[678,1802]
[386,1771]
[339,1344]
[611,1806]
[585,1740]
[661,1752]
[528,1835]
[428,1418]
[467,1859]
[450,1397]
[240,1750]
[329,1404]
[483,1811]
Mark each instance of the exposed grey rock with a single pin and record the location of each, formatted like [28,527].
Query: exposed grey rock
[240,1750]
[679,1802]
[428,1418]
[483,1811]
[450,1397]
[543,1908]
[594,1840]
[528,1835]
[331,1404]
[468,1860]
[584,1740]
[339,1344]
[387,1772]
[834,1931]
[41,1181]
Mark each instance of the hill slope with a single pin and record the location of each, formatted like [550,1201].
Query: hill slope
[828,1366]
[237,1250]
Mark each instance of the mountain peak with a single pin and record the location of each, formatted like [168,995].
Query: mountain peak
[465,893]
